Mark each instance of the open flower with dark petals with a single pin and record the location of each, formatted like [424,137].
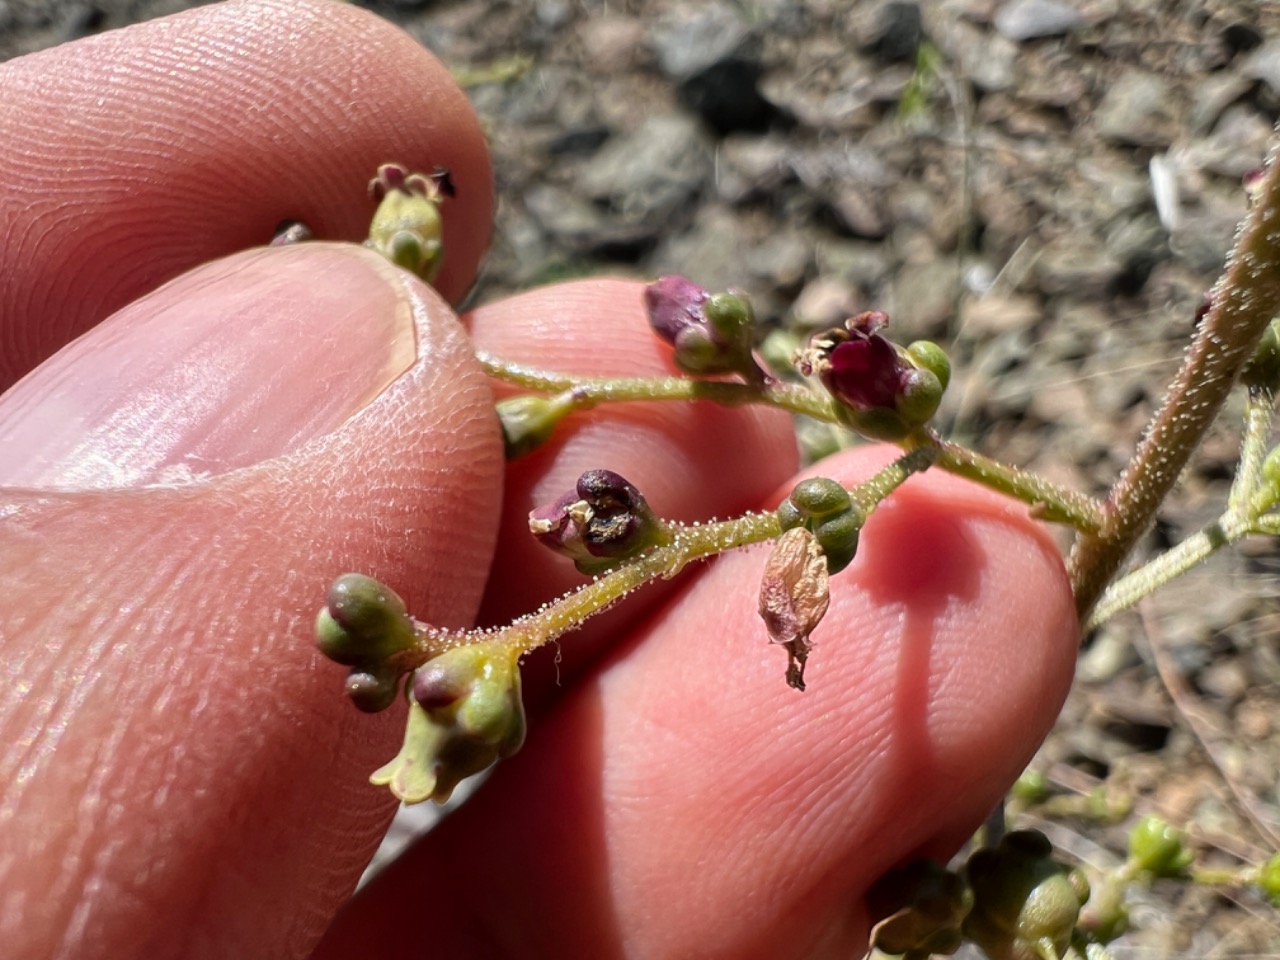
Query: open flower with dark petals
[883,390]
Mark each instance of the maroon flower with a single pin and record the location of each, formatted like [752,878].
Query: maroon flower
[883,391]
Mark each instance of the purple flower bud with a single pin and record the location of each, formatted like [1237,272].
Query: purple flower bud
[675,304]
[711,333]
[604,519]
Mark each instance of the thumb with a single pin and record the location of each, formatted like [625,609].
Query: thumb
[178,488]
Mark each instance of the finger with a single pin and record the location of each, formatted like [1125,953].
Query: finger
[183,777]
[688,803]
[691,461]
[131,157]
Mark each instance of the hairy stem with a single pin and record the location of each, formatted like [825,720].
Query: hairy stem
[587,392]
[1244,302]
[691,543]
[1051,502]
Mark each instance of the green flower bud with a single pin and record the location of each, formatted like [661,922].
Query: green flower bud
[1025,904]
[1158,848]
[465,714]
[528,421]
[825,509]
[407,227]
[711,333]
[923,907]
[363,622]
[927,355]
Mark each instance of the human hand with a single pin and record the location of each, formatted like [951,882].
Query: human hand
[182,777]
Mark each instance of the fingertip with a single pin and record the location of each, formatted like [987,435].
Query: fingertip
[122,170]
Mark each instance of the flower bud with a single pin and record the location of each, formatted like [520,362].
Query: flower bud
[1025,905]
[882,391]
[824,508]
[464,715]
[710,333]
[1158,848]
[528,421]
[923,906]
[407,228]
[602,521]
[794,596]
[363,622]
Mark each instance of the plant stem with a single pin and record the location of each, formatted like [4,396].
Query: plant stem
[1244,302]
[587,392]
[1051,502]
[1258,415]
[691,542]
[1227,529]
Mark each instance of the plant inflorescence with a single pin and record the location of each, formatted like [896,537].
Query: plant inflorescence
[463,687]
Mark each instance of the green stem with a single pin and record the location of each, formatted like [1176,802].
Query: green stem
[586,392]
[1247,503]
[690,543]
[1244,302]
[1051,502]
[1259,413]
[1231,526]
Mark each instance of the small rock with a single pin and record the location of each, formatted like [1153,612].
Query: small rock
[825,302]
[699,37]
[859,212]
[782,258]
[924,299]
[862,264]
[895,32]
[1264,65]
[1137,244]
[1138,110]
[749,166]
[1213,94]
[648,174]
[714,58]
[1077,267]
[1032,19]
[987,60]
[994,314]
[611,43]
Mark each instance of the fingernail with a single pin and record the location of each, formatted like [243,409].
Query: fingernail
[237,362]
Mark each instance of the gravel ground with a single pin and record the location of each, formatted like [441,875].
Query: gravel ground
[1047,186]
